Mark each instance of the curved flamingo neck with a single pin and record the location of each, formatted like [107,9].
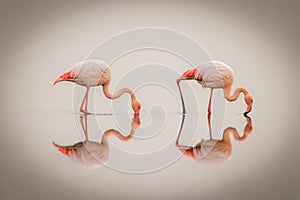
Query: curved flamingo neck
[237,137]
[236,93]
[110,95]
[118,134]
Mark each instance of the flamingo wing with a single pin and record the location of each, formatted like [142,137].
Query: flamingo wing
[88,72]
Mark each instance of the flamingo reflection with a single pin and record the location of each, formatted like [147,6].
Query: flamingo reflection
[214,151]
[91,153]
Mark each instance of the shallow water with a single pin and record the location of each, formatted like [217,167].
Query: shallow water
[260,159]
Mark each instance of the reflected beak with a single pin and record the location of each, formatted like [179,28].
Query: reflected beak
[137,112]
[67,152]
[57,80]
[137,119]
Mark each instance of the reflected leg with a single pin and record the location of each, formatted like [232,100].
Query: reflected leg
[209,125]
[84,126]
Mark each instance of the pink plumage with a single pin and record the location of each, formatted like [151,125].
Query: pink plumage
[92,73]
[213,75]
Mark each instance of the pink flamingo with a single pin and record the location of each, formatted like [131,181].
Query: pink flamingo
[92,153]
[91,73]
[214,151]
[215,74]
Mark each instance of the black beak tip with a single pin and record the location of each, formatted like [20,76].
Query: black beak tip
[246,114]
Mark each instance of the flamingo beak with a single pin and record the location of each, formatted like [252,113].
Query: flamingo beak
[58,80]
[249,108]
[137,119]
[137,112]
[65,77]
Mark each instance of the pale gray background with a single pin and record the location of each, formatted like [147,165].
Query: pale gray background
[40,40]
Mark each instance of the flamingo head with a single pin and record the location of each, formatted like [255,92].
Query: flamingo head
[68,76]
[136,120]
[249,101]
[136,106]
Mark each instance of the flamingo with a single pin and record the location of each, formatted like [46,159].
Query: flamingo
[93,154]
[214,151]
[91,73]
[215,74]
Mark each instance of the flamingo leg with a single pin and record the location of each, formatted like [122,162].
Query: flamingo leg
[180,130]
[82,104]
[187,75]
[209,125]
[84,126]
[209,103]
[186,150]
[87,99]
[85,102]
[178,85]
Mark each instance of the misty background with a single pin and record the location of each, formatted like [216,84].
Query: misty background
[41,39]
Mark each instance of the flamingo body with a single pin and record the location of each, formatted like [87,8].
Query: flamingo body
[215,74]
[91,153]
[212,151]
[91,73]
[87,153]
[212,74]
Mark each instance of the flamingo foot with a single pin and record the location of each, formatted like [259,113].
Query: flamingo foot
[85,112]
